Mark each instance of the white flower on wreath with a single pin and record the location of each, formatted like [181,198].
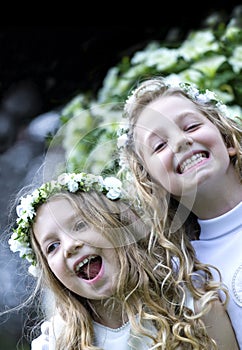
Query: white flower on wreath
[113,185]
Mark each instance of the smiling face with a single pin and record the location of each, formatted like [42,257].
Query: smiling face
[80,257]
[181,149]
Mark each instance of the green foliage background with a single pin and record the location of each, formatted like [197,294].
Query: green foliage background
[210,57]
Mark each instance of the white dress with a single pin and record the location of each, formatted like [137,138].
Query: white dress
[106,338]
[220,244]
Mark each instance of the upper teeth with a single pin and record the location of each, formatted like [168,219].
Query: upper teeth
[188,163]
[83,262]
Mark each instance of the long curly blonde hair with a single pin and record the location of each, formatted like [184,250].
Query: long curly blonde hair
[152,284]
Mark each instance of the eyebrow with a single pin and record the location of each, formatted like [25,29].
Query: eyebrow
[153,133]
[140,147]
[47,235]
[44,238]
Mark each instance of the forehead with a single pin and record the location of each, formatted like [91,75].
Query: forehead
[52,215]
[162,111]
[168,105]
[54,209]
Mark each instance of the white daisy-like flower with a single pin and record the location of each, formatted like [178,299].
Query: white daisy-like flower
[15,245]
[63,179]
[113,185]
[129,103]
[113,193]
[112,182]
[25,250]
[122,140]
[25,209]
[72,185]
[202,98]
[34,270]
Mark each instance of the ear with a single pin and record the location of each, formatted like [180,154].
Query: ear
[231,151]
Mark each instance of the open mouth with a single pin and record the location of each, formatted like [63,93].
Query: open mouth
[192,161]
[89,268]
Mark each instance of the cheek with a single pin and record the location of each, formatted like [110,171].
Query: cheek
[161,170]
[161,162]
[215,142]
[56,268]
[211,135]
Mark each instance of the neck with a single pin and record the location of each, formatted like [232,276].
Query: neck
[212,201]
[108,313]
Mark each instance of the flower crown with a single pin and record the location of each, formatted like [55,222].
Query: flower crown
[198,95]
[26,210]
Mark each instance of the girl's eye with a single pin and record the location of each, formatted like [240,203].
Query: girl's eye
[80,225]
[51,247]
[192,127]
[159,146]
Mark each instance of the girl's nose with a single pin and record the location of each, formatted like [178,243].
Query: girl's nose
[72,246]
[182,142]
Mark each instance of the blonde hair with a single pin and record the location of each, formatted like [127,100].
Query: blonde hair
[152,283]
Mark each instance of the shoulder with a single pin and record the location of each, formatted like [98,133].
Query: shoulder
[219,327]
[50,331]
[42,341]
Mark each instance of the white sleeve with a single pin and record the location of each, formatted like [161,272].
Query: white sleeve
[42,342]
[50,330]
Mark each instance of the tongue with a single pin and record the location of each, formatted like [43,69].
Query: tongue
[91,270]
